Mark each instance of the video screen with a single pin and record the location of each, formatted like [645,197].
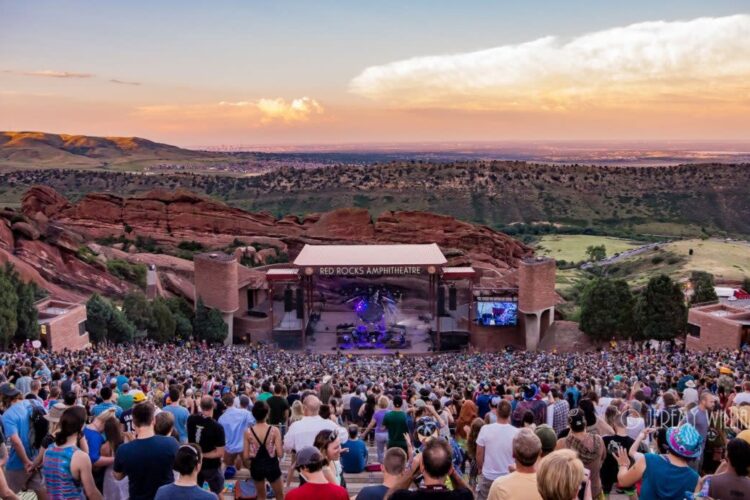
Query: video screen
[497,313]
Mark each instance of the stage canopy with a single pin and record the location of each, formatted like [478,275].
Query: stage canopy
[370,255]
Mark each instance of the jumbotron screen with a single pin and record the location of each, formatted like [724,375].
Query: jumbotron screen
[503,313]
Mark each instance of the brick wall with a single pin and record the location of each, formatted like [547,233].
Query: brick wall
[716,332]
[536,285]
[216,281]
[63,331]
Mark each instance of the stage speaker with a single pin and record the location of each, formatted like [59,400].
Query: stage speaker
[288,300]
[441,301]
[452,298]
[300,303]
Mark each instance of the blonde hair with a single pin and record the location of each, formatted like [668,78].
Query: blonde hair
[559,475]
[297,412]
[383,402]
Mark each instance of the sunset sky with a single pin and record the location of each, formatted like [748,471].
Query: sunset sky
[196,73]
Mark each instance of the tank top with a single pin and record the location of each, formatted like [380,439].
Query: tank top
[56,468]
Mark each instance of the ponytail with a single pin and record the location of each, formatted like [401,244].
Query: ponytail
[71,423]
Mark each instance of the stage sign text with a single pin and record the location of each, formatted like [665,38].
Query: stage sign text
[370,271]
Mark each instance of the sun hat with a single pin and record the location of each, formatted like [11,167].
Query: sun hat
[690,383]
[685,441]
[55,412]
[725,370]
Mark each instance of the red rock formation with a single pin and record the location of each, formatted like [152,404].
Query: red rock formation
[170,217]
[45,241]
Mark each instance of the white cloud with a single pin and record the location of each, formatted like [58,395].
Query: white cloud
[48,73]
[704,59]
[279,109]
[265,111]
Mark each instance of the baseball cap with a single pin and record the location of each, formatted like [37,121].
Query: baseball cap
[138,397]
[547,436]
[308,455]
[419,403]
[9,390]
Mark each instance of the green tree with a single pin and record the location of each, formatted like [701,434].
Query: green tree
[26,313]
[208,324]
[607,309]
[596,253]
[703,287]
[660,311]
[183,316]
[8,309]
[106,322]
[119,328]
[98,316]
[138,311]
[163,325]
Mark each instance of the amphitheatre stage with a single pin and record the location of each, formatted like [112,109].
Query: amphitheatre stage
[380,299]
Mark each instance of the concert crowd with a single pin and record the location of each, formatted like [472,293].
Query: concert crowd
[191,421]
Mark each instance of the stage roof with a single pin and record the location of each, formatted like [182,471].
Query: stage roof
[370,255]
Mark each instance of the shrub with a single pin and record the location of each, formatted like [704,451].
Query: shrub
[134,273]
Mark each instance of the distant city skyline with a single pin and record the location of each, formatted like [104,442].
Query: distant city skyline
[332,72]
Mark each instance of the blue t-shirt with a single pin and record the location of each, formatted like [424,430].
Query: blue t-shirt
[483,404]
[102,407]
[147,463]
[355,460]
[372,492]
[95,440]
[174,492]
[235,422]
[679,479]
[16,421]
[180,420]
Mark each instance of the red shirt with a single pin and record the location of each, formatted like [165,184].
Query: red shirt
[317,491]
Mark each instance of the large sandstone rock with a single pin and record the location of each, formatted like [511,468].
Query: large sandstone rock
[170,217]
[65,269]
[26,230]
[6,235]
[43,199]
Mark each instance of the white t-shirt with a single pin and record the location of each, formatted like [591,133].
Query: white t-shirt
[497,440]
[690,395]
[302,432]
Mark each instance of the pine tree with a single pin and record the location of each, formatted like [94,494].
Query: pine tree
[607,309]
[208,324]
[98,315]
[8,310]
[660,310]
[163,325]
[138,311]
[703,287]
[26,312]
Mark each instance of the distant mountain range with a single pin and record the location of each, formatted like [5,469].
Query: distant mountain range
[42,149]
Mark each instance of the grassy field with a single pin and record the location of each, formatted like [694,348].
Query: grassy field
[726,260]
[572,247]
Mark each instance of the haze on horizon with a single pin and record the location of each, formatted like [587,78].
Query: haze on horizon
[299,73]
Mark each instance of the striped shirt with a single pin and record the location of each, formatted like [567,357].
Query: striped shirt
[57,476]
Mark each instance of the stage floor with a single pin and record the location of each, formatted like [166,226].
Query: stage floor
[325,339]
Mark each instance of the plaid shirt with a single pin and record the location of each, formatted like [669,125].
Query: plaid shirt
[560,410]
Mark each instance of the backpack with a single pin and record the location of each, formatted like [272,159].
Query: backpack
[38,426]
